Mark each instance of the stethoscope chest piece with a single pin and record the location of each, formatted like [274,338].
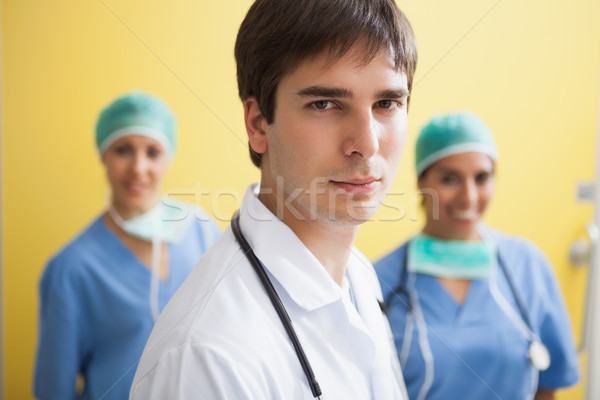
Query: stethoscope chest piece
[538,355]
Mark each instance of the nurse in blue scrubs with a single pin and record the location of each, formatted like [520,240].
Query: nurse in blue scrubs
[102,292]
[476,314]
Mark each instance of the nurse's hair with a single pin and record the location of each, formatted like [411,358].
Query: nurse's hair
[277,35]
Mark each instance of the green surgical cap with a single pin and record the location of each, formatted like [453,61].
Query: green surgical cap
[137,113]
[450,134]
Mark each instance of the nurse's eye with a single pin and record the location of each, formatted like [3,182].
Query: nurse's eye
[154,152]
[482,178]
[123,150]
[322,105]
[450,179]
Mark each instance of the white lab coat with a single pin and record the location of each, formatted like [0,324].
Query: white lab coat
[220,337]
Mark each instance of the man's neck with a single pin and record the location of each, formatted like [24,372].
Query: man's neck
[331,244]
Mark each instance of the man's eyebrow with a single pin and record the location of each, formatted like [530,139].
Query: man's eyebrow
[323,91]
[392,93]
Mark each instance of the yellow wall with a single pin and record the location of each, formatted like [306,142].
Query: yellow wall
[530,69]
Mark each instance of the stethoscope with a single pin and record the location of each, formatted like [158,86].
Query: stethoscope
[538,354]
[277,304]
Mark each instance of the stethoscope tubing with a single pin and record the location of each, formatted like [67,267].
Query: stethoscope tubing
[412,306]
[401,289]
[277,304]
[516,294]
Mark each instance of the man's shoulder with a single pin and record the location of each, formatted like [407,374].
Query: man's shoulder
[214,273]
[217,296]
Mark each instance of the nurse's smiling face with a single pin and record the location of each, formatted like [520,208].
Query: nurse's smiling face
[135,166]
[339,129]
[457,190]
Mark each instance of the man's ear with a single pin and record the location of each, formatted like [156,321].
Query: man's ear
[256,125]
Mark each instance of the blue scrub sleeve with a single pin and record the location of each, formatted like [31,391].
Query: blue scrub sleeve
[60,348]
[557,334]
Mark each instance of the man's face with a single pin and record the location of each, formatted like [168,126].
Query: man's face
[335,143]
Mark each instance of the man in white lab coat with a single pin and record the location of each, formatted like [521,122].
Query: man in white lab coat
[325,87]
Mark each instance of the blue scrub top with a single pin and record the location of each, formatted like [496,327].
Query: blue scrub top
[95,315]
[478,352]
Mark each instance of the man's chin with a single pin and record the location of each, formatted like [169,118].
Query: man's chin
[353,217]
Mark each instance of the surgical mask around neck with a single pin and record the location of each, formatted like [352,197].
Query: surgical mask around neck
[458,259]
[167,223]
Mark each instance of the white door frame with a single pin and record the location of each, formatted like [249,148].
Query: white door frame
[592,325]
[1,246]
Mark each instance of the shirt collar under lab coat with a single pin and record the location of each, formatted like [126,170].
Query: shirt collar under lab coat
[292,264]
[284,255]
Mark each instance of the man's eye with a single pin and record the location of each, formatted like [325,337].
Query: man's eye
[323,105]
[388,104]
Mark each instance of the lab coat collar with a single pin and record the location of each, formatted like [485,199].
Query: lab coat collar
[303,277]
[382,344]
[284,255]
